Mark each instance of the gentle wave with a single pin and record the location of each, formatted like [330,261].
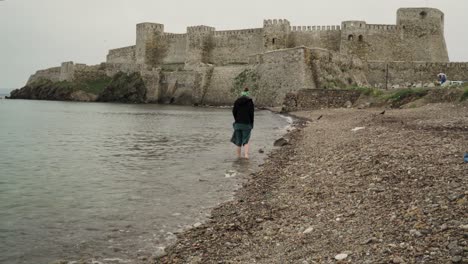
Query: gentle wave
[79,180]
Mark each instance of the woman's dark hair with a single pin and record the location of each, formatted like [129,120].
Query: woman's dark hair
[246,89]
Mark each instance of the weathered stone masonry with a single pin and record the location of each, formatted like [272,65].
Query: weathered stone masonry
[418,35]
[70,71]
[207,66]
[121,55]
[308,99]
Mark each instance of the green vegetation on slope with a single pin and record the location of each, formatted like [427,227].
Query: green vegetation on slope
[402,94]
[94,86]
[125,88]
[247,78]
[464,95]
[368,91]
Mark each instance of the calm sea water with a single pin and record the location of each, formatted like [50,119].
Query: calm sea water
[105,181]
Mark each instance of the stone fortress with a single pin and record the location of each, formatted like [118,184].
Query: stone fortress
[208,66]
[418,36]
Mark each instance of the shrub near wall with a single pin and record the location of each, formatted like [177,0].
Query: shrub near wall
[247,78]
[464,95]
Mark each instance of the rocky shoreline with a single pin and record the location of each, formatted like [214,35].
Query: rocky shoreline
[354,186]
[122,88]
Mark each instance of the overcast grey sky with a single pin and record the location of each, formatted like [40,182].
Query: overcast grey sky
[37,34]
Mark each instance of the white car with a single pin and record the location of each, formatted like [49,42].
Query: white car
[453,83]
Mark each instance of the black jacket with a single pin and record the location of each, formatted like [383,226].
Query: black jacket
[243,110]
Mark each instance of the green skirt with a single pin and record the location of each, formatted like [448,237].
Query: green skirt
[241,134]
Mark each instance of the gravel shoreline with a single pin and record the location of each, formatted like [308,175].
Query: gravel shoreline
[392,191]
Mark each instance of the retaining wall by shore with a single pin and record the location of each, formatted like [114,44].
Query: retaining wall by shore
[311,99]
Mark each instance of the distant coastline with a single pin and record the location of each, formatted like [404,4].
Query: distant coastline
[5,92]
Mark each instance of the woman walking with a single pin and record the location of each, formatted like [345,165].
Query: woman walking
[243,113]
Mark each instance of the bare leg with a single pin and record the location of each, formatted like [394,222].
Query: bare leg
[238,150]
[246,151]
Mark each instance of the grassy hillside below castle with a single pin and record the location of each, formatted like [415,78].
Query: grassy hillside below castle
[410,97]
[120,88]
[130,88]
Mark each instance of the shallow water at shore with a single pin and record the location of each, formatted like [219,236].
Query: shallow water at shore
[90,180]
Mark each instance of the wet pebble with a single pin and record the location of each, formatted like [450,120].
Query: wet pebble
[397,260]
[341,256]
[457,259]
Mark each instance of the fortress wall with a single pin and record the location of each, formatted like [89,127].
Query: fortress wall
[326,37]
[81,72]
[380,42]
[121,55]
[221,89]
[383,42]
[310,99]
[235,46]
[146,33]
[69,71]
[177,87]
[289,70]
[314,28]
[423,34]
[280,72]
[84,72]
[423,46]
[418,36]
[276,34]
[334,70]
[113,68]
[177,46]
[52,74]
[372,41]
[199,44]
[151,79]
[414,74]
[381,27]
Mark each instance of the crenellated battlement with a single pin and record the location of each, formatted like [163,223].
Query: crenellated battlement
[463,65]
[314,28]
[269,22]
[175,35]
[417,36]
[200,28]
[353,25]
[153,26]
[238,32]
[419,65]
[382,27]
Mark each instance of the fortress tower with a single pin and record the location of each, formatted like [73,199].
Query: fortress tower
[276,33]
[423,29]
[146,32]
[353,36]
[199,44]
[417,36]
